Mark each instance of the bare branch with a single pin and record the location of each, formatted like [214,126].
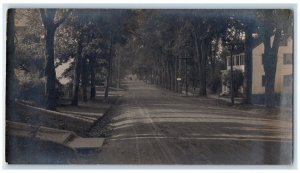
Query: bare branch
[276,41]
[65,16]
[44,17]
[48,16]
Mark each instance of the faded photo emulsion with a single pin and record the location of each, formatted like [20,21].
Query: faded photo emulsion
[149,86]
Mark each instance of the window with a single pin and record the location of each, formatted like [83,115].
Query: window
[287,58]
[287,80]
[228,61]
[242,59]
[237,60]
[262,58]
[263,80]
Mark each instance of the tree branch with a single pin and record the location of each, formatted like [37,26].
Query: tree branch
[65,16]
[276,41]
[44,17]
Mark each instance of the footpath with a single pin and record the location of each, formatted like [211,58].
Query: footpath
[282,113]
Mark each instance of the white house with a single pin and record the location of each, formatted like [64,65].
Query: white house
[284,71]
[238,63]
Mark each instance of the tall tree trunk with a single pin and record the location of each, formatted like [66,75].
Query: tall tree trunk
[201,56]
[50,69]
[163,78]
[10,63]
[202,67]
[77,73]
[108,78]
[213,56]
[248,63]
[156,77]
[109,70]
[270,64]
[50,26]
[84,79]
[119,76]
[170,81]
[151,77]
[93,78]
[173,74]
[166,77]
[160,78]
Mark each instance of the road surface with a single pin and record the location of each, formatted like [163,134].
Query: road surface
[156,126]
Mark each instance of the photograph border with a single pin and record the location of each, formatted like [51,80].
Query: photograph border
[292,6]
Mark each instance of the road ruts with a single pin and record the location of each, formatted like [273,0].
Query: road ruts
[155,126]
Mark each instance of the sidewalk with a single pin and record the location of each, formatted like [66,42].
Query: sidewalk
[57,136]
[226,99]
[280,113]
[240,101]
[67,117]
[237,100]
[37,135]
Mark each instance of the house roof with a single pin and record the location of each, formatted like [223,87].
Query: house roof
[256,42]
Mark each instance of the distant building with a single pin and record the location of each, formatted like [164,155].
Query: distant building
[284,71]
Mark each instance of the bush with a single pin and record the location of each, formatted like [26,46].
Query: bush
[30,87]
[238,79]
[215,83]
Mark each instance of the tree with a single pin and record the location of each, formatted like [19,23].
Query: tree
[50,25]
[109,68]
[204,28]
[82,25]
[250,27]
[246,22]
[275,24]
[10,79]
[94,52]
[116,26]
[78,62]
[93,78]
[97,33]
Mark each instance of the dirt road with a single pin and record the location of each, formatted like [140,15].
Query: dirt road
[155,126]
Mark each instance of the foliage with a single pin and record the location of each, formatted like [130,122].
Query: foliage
[215,83]
[277,24]
[238,78]
[157,45]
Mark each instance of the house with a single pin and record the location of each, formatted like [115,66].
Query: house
[238,63]
[283,77]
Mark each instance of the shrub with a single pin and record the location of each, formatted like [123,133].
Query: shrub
[238,79]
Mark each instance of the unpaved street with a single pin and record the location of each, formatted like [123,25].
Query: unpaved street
[156,126]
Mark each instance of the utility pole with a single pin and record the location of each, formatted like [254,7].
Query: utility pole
[179,84]
[186,82]
[232,47]
[176,83]
[231,74]
[186,75]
